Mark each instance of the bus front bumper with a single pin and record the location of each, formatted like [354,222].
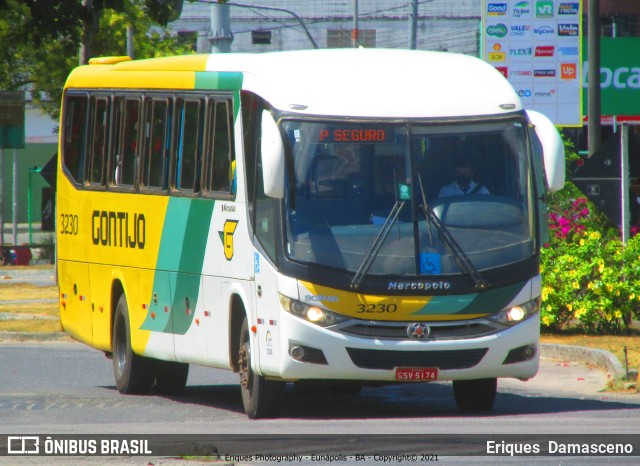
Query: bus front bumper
[317,353]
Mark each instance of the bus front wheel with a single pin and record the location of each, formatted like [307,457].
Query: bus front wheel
[133,373]
[475,395]
[260,397]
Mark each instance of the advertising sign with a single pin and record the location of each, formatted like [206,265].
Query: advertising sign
[619,77]
[536,45]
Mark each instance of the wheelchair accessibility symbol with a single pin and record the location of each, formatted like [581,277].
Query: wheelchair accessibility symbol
[429,263]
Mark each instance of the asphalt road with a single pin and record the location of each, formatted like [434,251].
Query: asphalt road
[67,388]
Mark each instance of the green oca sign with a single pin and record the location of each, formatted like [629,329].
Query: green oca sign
[619,76]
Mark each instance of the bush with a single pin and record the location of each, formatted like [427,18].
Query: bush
[589,279]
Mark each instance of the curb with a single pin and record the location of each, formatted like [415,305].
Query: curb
[587,356]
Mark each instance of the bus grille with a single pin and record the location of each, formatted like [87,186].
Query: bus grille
[438,332]
[444,360]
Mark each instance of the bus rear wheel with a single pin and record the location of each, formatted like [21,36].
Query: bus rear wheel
[133,373]
[260,397]
[475,395]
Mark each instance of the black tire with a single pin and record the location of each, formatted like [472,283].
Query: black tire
[170,377]
[474,396]
[260,397]
[133,373]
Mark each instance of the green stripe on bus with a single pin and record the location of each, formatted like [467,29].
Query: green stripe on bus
[474,303]
[179,266]
[227,80]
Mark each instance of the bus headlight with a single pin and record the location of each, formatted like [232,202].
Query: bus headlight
[516,314]
[315,314]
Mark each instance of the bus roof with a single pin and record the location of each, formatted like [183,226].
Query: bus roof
[335,82]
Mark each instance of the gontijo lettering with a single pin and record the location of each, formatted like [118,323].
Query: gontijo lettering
[118,229]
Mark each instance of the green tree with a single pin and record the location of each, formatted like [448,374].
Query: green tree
[44,40]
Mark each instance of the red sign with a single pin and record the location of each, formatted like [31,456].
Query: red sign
[545,50]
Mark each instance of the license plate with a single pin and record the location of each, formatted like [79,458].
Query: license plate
[417,374]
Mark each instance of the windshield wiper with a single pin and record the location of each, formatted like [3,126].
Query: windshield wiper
[458,253]
[377,244]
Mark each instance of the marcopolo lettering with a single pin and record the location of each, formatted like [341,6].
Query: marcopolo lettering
[419,285]
[118,229]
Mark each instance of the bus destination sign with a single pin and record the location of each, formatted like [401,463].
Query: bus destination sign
[355,135]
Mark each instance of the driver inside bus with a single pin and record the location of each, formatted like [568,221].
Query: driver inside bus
[463,184]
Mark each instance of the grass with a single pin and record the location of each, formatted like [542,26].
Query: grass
[30,325]
[25,291]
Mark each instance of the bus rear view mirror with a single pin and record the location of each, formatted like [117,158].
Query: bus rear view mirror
[272,150]
[546,138]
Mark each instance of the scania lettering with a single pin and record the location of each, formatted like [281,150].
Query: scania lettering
[285,216]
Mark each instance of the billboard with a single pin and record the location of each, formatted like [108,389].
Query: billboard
[536,45]
[619,77]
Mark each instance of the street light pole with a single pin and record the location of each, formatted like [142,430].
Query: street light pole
[594,110]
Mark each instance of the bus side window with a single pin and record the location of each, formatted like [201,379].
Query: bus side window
[262,209]
[189,145]
[156,143]
[99,137]
[75,135]
[126,156]
[220,157]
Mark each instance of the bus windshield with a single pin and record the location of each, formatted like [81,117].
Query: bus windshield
[409,198]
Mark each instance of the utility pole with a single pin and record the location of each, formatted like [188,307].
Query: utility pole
[413,24]
[354,31]
[221,35]
[594,110]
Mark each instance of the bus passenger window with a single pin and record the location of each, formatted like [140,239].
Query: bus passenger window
[100,118]
[73,149]
[156,127]
[220,167]
[189,145]
[125,141]
[128,151]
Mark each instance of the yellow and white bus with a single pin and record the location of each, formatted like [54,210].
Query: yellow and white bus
[282,215]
